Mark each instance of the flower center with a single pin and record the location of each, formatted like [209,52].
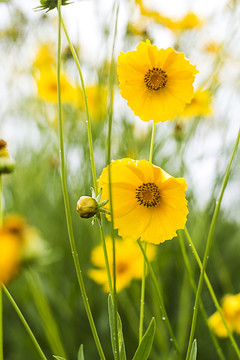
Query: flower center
[148,194]
[121,267]
[155,79]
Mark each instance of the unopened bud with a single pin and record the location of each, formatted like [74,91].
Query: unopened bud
[87,207]
[7,164]
[50,4]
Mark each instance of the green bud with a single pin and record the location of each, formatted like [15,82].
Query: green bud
[87,207]
[7,164]
[50,4]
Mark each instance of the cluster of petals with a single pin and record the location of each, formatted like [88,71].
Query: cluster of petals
[156,83]
[147,202]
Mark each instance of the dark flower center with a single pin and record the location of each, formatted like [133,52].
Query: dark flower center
[155,79]
[148,194]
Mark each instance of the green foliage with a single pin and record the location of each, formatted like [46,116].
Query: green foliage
[145,346]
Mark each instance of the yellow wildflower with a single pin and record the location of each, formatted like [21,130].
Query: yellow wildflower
[6,162]
[200,104]
[231,313]
[9,255]
[156,83]
[44,58]
[47,88]
[129,263]
[147,202]
[97,101]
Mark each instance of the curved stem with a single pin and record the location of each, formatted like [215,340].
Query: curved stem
[90,142]
[160,299]
[66,199]
[25,324]
[208,245]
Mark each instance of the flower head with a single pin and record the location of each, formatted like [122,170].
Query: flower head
[157,83]
[147,202]
[231,313]
[129,262]
[200,104]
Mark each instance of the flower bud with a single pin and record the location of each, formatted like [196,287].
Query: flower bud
[87,207]
[6,163]
[50,4]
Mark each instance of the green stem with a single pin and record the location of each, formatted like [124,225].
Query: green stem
[25,324]
[211,291]
[90,142]
[110,118]
[160,299]
[66,199]
[208,245]
[142,301]
[192,282]
[1,304]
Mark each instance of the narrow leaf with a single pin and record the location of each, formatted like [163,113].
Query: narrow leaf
[80,353]
[122,351]
[145,346]
[193,354]
[58,357]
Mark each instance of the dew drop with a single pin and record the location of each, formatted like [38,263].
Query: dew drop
[163,318]
[189,245]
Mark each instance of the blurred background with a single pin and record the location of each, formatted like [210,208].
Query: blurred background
[196,145]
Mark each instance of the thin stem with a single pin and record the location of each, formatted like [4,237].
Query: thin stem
[208,245]
[160,299]
[192,282]
[106,256]
[142,301]
[110,118]
[25,324]
[90,142]
[1,304]
[211,291]
[66,199]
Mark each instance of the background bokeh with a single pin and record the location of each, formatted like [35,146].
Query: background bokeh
[197,145]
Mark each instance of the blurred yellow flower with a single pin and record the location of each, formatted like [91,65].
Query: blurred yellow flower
[231,313]
[200,104]
[187,22]
[9,256]
[44,57]
[213,47]
[19,243]
[156,83]
[47,88]
[148,203]
[97,102]
[129,263]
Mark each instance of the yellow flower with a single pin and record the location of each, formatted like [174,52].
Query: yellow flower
[45,58]
[97,102]
[9,255]
[200,104]
[231,313]
[147,202]
[129,263]
[156,83]
[6,162]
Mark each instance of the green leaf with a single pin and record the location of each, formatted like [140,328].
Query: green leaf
[193,354]
[58,357]
[122,351]
[145,346]
[80,353]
